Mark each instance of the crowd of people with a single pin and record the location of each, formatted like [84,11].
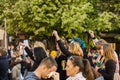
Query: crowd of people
[68,61]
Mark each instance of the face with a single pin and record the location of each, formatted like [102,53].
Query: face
[47,71]
[71,69]
[100,51]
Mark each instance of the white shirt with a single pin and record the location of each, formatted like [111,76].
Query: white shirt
[78,76]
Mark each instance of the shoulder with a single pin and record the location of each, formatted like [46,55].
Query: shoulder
[110,61]
[78,76]
[31,76]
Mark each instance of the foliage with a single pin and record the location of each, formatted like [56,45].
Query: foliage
[71,18]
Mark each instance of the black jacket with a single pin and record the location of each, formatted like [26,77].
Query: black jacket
[4,65]
[61,61]
[109,71]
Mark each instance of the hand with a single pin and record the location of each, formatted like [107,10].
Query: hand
[91,33]
[96,68]
[56,35]
[89,54]
[22,44]
[18,59]
[54,75]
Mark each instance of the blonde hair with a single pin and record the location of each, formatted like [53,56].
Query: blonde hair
[109,52]
[39,44]
[75,48]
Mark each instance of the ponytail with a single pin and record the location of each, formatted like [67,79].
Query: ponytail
[87,72]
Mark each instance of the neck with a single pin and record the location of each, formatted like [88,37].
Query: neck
[37,73]
[76,72]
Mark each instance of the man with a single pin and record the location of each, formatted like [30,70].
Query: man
[3,65]
[47,66]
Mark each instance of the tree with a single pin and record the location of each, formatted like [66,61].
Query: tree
[72,18]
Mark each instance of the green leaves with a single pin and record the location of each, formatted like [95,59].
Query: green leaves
[71,18]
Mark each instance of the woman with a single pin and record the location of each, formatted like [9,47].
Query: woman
[76,69]
[73,49]
[37,54]
[110,62]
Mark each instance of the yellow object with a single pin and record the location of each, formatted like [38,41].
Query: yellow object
[53,53]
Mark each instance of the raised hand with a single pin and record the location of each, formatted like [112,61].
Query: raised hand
[55,33]
[91,33]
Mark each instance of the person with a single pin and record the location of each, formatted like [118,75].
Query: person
[73,49]
[74,69]
[37,55]
[110,63]
[15,66]
[61,60]
[46,66]
[4,65]
[99,45]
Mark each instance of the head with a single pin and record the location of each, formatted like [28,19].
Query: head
[46,66]
[74,65]
[76,49]
[99,46]
[109,52]
[2,52]
[39,51]
[39,44]
[15,54]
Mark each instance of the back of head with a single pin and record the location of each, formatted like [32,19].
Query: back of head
[109,52]
[2,52]
[48,62]
[76,49]
[39,44]
[100,43]
[40,54]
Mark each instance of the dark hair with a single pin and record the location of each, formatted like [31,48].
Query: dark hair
[77,61]
[49,62]
[88,73]
[40,54]
[84,66]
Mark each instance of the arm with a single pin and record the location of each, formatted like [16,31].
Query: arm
[94,39]
[28,51]
[62,48]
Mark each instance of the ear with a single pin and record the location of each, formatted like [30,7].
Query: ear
[77,69]
[44,68]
